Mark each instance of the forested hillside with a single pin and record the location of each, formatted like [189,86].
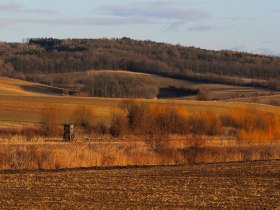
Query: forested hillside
[24,60]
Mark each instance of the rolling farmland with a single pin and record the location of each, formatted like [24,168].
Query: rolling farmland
[161,105]
[226,185]
[22,102]
[28,109]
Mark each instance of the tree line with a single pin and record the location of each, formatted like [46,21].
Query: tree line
[49,55]
[120,86]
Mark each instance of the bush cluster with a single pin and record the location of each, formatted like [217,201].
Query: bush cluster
[156,122]
[253,126]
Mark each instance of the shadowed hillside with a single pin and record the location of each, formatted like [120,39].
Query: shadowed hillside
[126,84]
[20,87]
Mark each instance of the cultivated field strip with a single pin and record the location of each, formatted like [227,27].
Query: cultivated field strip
[252,185]
[17,87]
[29,108]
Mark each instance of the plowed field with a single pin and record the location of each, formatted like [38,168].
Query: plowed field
[233,185]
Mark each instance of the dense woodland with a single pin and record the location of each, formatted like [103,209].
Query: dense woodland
[48,55]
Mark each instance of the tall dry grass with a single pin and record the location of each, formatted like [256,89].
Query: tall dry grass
[60,156]
[83,155]
[233,154]
[119,124]
[84,116]
[50,121]
[16,134]
[253,126]
[205,123]
[153,124]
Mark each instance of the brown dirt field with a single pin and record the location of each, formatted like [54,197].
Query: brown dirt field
[251,185]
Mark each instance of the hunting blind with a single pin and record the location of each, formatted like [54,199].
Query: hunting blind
[68,132]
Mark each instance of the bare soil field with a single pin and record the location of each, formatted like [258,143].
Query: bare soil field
[251,185]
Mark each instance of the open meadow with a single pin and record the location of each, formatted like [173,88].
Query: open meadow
[198,131]
[22,102]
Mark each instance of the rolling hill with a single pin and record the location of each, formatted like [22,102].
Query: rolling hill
[49,56]
[23,88]
[25,105]
[126,68]
[166,87]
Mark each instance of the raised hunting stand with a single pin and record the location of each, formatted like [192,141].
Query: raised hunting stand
[68,134]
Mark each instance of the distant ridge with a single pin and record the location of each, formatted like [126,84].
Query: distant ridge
[48,56]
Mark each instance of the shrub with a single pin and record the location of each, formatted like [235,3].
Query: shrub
[205,123]
[203,95]
[50,123]
[101,129]
[134,111]
[164,119]
[253,126]
[119,124]
[84,117]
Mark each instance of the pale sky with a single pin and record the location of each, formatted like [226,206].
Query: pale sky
[243,25]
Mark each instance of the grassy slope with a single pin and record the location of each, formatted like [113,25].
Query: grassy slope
[19,87]
[217,91]
[28,109]
[266,99]
[25,106]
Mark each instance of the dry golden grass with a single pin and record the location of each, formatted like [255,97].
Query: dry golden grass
[271,99]
[237,153]
[77,155]
[54,156]
[22,102]
[28,108]
[17,87]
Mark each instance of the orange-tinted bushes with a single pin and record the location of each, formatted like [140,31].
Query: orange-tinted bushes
[50,122]
[178,117]
[101,128]
[205,123]
[164,119]
[253,126]
[84,117]
[119,124]
[134,111]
